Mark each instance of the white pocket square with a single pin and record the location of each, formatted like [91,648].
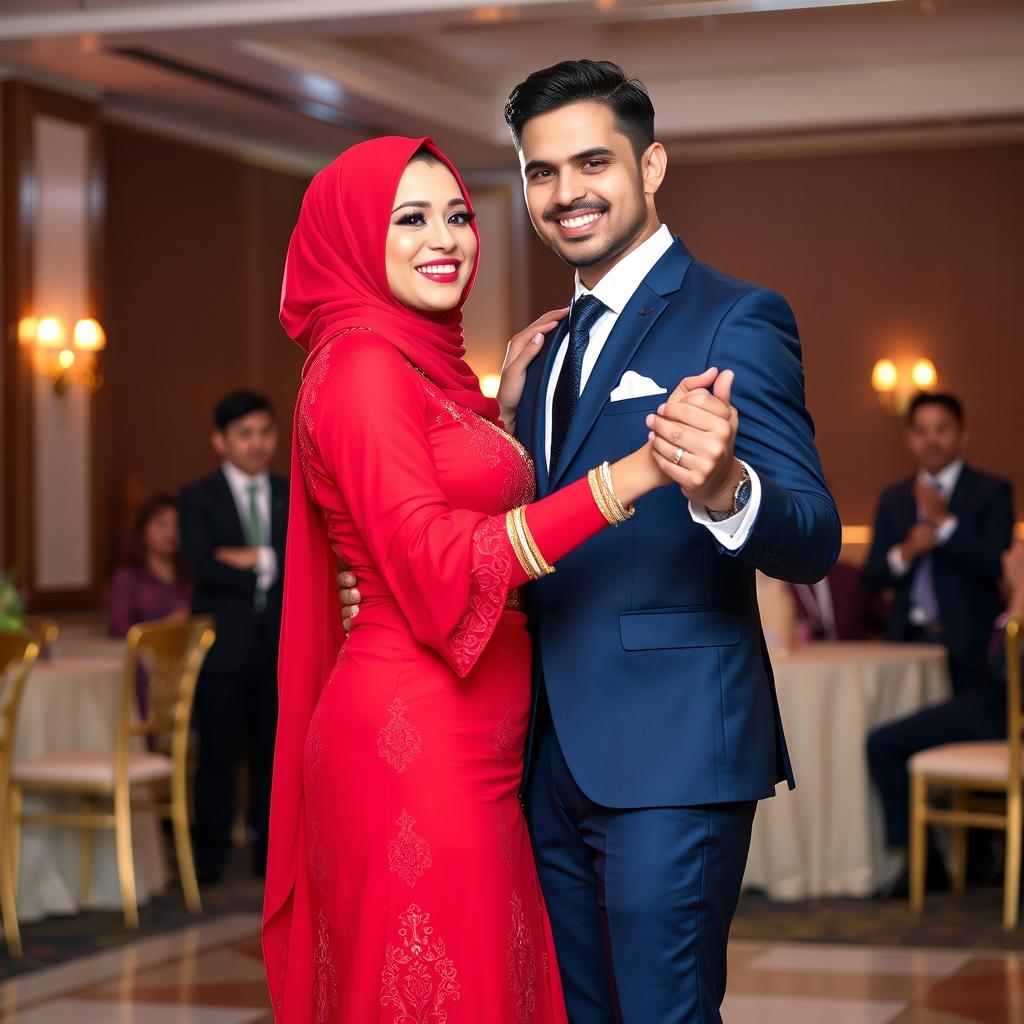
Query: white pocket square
[635,385]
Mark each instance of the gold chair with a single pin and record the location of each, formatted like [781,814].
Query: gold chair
[18,653]
[171,655]
[995,766]
[46,631]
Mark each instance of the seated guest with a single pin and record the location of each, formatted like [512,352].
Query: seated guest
[977,714]
[154,585]
[938,541]
[838,607]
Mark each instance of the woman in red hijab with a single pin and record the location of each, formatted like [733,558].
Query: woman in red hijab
[401,886]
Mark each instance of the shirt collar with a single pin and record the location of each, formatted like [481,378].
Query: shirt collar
[240,480]
[616,288]
[945,479]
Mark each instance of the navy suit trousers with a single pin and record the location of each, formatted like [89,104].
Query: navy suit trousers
[640,900]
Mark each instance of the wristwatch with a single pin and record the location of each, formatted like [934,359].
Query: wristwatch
[740,498]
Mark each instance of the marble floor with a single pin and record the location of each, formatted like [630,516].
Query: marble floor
[212,974]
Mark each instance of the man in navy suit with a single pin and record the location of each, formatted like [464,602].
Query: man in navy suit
[655,726]
[233,528]
[938,542]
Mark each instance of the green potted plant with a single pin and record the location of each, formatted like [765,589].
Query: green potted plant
[12,607]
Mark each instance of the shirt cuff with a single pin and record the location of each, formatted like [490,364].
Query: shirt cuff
[898,565]
[732,533]
[266,568]
[946,530]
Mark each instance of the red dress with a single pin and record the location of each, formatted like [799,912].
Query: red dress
[420,892]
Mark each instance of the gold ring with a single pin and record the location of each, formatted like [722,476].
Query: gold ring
[679,456]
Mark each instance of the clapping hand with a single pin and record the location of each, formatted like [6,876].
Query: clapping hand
[693,436]
[932,504]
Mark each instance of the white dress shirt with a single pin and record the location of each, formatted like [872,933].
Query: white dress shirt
[817,601]
[615,290]
[239,482]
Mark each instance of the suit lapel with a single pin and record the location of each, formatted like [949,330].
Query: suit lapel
[540,403]
[232,516]
[639,316]
[958,499]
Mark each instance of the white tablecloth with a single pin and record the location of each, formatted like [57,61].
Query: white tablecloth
[826,837]
[72,703]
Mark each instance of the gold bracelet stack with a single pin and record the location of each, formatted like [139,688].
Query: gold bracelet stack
[612,509]
[525,547]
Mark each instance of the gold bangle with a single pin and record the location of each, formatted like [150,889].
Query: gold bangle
[517,546]
[527,535]
[600,480]
[620,510]
[597,490]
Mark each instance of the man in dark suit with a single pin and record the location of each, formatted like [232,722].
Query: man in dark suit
[838,607]
[938,542]
[233,527]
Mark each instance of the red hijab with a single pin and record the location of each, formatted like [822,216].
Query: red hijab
[335,278]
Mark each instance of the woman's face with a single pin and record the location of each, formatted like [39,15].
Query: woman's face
[161,536]
[431,248]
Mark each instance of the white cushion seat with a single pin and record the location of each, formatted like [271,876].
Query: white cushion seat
[985,760]
[94,768]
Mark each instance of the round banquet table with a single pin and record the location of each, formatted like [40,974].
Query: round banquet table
[71,703]
[826,837]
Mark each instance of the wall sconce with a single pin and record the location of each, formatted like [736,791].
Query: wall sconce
[63,364]
[489,384]
[896,387]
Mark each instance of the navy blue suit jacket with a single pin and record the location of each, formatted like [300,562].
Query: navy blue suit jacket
[967,569]
[648,638]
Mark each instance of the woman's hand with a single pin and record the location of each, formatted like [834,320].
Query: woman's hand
[521,352]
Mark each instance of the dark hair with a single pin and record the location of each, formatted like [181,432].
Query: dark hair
[149,510]
[238,404]
[576,81]
[947,401]
[426,156]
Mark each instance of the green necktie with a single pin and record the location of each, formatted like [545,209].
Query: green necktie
[256,537]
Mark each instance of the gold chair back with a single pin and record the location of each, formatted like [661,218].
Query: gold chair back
[1014,711]
[19,650]
[170,655]
[46,631]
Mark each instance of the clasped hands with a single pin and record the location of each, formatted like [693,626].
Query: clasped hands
[700,421]
[935,509]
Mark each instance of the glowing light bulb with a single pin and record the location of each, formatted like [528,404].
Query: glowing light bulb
[884,375]
[490,383]
[50,332]
[923,374]
[89,336]
[66,359]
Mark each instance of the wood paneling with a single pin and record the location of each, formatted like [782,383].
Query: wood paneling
[889,253]
[196,246]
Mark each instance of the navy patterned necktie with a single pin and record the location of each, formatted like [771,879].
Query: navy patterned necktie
[585,312]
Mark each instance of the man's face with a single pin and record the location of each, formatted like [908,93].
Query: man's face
[588,196]
[935,437]
[248,442]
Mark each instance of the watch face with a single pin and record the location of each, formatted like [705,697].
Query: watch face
[743,493]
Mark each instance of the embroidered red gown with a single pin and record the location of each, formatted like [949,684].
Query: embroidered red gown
[421,895]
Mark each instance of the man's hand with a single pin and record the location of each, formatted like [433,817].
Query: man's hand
[703,424]
[933,505]
[350,598]
[1013,576]
[238,558]
[521,352]
[918,542]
